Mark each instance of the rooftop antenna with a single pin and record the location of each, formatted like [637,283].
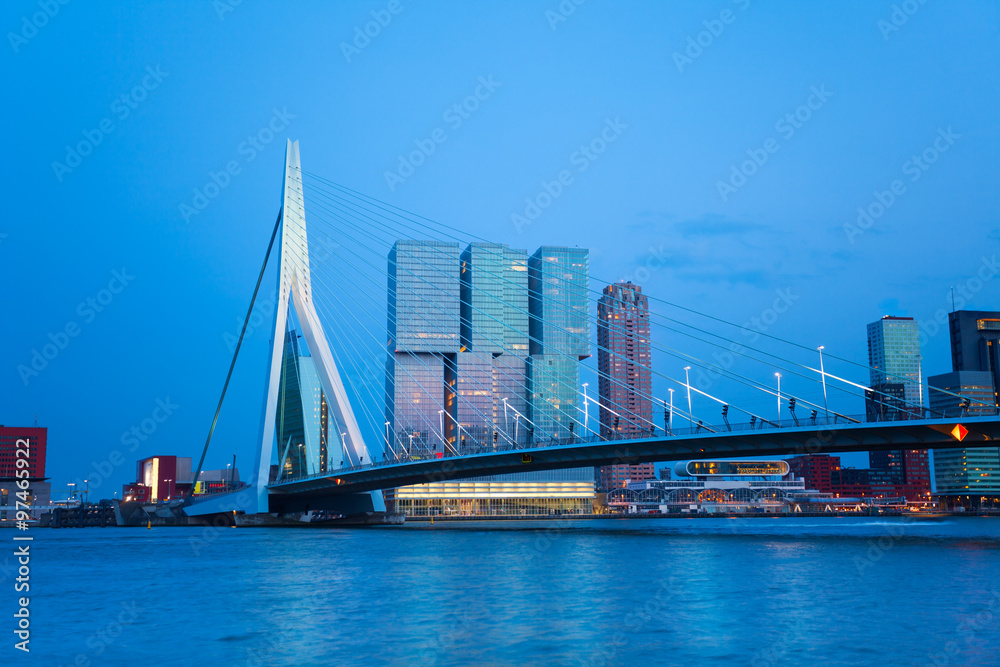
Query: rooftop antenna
[36,420]
[953,298]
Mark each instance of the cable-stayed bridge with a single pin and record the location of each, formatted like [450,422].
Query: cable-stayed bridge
[475,369]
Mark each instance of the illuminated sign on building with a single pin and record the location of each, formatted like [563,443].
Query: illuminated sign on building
[736,468]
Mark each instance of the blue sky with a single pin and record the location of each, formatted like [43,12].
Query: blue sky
[198,80]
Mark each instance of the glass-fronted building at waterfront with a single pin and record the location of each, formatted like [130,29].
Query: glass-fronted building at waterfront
[569,491]
[969,477]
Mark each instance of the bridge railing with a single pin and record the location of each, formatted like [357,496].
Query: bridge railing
[699,428]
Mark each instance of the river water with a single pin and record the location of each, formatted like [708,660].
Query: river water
[761,591]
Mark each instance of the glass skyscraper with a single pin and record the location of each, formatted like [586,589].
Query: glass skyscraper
[559,327]
[895,376]
[457,374]
[423,326]
[303,419]
[969,477]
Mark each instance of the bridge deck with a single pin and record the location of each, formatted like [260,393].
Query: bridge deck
[810,439]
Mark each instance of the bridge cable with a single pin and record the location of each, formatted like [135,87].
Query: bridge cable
[246,321]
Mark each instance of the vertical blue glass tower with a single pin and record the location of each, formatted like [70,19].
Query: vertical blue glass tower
[559,326]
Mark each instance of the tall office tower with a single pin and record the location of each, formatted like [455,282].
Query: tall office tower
[302,428]
[457,383]
[975,344]
[559,328]
[424,327]
[490,371]
[967,477]
[895,375]
[625,378]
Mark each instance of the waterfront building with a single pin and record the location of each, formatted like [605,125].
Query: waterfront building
[714,486]
[34,440]
[969,477]
[625,376]
[907,476]
[965,477]
[618,476]
[569,491]
[975,344]
[166,476]
[135,492]
[816,470]
[457,376]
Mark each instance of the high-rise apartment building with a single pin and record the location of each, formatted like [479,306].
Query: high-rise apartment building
[625,377]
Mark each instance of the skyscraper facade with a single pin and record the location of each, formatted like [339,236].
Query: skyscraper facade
[969,477]
[302,425]
[625,378]
[457,377]
[895,376]
[423,326]
[559,328]
[894,361]
[975,344]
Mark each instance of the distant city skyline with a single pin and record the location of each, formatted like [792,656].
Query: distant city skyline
[111,271]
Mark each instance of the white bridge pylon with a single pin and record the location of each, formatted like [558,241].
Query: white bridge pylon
[295,291]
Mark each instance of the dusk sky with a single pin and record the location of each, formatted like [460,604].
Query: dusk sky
[874,108]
